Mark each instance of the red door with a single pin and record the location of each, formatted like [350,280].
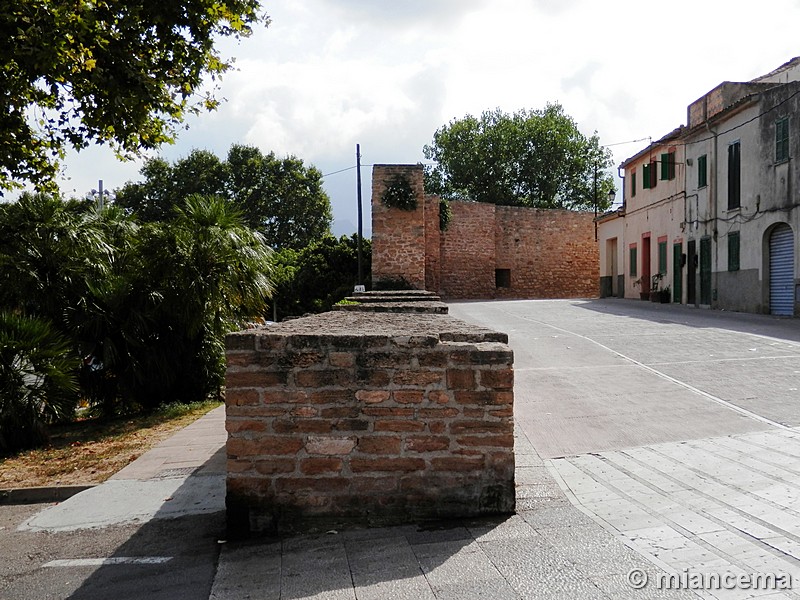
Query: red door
[645,286]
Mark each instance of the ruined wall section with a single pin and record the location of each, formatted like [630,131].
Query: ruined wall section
[398,236]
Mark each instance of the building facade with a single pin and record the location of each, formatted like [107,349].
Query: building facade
[711,210]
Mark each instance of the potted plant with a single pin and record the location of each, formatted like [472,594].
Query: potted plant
[644,295]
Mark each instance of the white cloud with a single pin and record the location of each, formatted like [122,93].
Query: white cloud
[327,75]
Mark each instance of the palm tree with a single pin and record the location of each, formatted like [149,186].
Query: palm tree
[37,380]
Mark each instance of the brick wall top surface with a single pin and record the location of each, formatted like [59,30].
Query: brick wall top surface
[361,327]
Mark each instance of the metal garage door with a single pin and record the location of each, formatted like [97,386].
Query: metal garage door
[781,271]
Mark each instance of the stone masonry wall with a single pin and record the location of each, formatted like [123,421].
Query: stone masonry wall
[366,417]
[468,255]
[549,253]
[398,235]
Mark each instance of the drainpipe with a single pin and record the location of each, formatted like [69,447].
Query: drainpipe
[715,211]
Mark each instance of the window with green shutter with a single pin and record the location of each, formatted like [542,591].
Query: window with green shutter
[734,175]
[633,184]
[632,269]
[662,258]
[733,251]
[702,171]
[646,175]
[782,140]
[668,166]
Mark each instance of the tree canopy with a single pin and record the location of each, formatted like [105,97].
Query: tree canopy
[279,197]
[123,73]
[530,158]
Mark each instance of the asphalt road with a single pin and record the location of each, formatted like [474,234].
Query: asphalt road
[44,566]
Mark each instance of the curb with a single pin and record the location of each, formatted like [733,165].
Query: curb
[36,495]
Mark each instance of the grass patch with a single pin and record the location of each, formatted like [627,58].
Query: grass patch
[91,451]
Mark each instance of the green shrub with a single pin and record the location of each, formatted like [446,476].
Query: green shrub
[37,381]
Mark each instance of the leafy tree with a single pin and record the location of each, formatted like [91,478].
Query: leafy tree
[315,278]
[281,198]
[37,380]
[123,73]
[529,158]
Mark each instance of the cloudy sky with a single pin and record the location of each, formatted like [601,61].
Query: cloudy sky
[327,74]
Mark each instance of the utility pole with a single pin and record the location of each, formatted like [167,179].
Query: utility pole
[100,195]
[360,286]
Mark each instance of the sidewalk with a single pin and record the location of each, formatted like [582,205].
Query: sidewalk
[183,475]
[550,549]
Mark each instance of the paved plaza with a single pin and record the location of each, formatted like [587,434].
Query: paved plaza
[657,446]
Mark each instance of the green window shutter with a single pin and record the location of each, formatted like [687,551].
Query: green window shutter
[662,258]
[733,251]
[646,176]
[665,167]
[632,270]
[702,171]
[633,184]
[734,175]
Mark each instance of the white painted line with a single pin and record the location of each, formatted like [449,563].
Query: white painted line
[114,560]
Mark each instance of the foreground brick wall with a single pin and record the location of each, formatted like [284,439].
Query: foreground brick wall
[549,253]
[411,423]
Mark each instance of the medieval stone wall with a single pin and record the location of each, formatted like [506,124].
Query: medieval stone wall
[487,251]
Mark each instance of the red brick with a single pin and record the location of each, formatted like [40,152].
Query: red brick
[343,396]
[362,465]
[379,444]
[459,427]
[432,359]
[408,396]
[302,359]
[499,380]
[326,378]
[418,378]
[483,398]
[369,485]
[321,485]
[437,413]
[426,443]
[502,413]
[439,396]
[372,396]
[302,426]
[457,463]
[254,379]
[340,412]
[318,466]
[255,411]
[284,397]
[385,411]
[460,379]
[238,466]
[474,413]
[330,445]
[502,441]
[239,397]
[274,466]
[437,426]
[373,377]
[265,445]
[342,359]
[239,425]
[305,412]
[399,425]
